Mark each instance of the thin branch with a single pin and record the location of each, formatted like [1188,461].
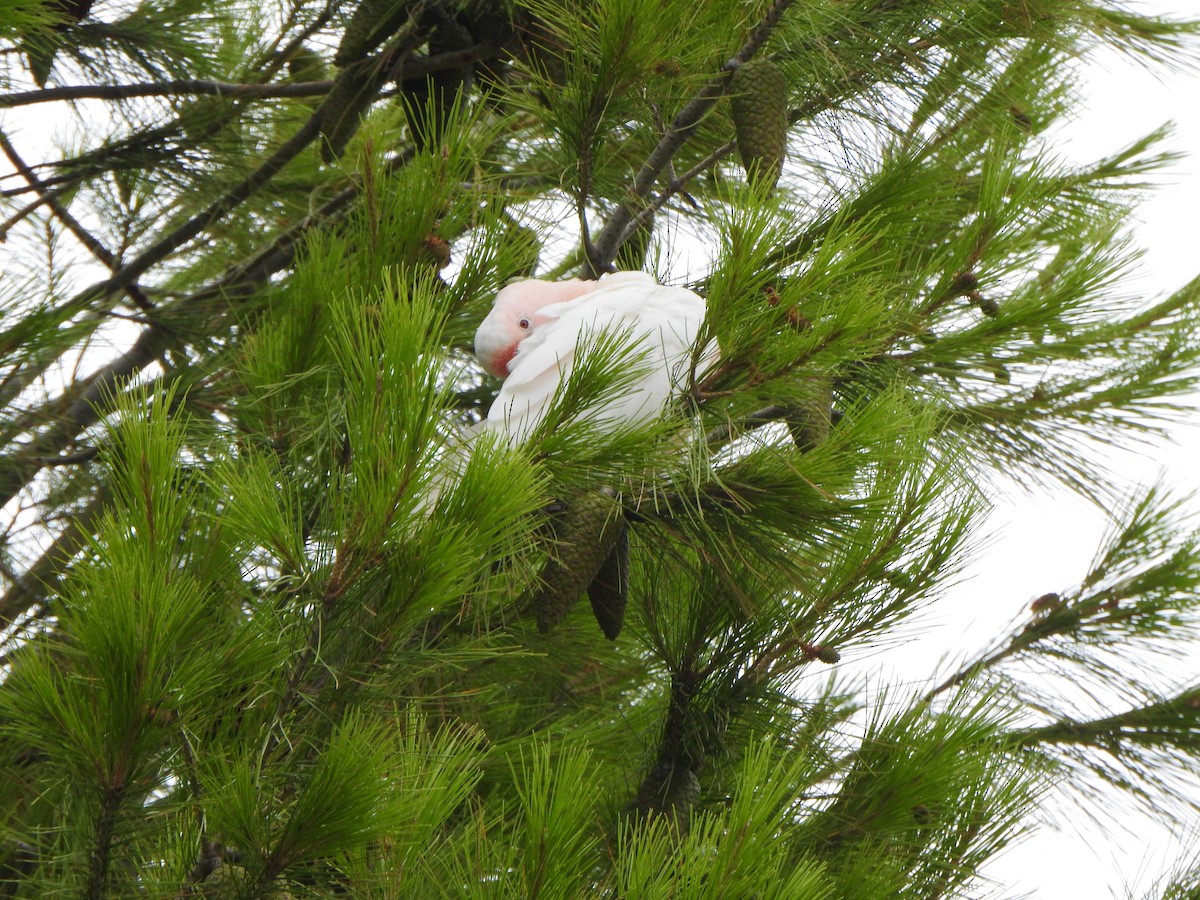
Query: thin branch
[969,671]
[29,209]
[604,250]
[334,588]
[19,469]
[87,454]
[41,578]
[181,87]
[85,237]
[190,229]
[105,832]
[233,198]
[1164,721]
[674,188]
[756,419]
[186,87]
[210,851]
[275,57]
[1052,615]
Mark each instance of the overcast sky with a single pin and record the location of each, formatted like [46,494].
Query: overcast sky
[1046,542]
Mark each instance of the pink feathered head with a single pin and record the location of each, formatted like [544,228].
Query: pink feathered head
[514,317]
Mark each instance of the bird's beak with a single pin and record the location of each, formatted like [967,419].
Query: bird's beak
[493,351]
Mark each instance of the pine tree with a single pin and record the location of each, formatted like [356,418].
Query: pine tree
[264,633]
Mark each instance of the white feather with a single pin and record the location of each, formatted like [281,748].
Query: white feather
[660,324]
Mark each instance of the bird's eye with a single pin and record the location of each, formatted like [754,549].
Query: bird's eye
[523,324]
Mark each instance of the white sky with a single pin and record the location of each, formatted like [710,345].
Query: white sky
[1046,542]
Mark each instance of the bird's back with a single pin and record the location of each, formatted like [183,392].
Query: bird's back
[656,323]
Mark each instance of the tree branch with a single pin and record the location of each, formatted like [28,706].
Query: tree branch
[602,253]
[83,408]
[85,237]
[28,209]
[182,87]
[32,587]
[16,470]
[413,68]
[1052,615]
[190,229]
[675,187]
[1164,721]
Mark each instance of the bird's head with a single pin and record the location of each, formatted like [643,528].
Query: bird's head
[515,315]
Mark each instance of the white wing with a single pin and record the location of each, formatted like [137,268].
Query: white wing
[661,322]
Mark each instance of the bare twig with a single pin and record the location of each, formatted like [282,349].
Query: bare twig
[1053,618]
[28,209]
[87,454]
[675,187]
[275,57]
[232,198]
[1163,721]
[18,469]
[190,229]
[756,419]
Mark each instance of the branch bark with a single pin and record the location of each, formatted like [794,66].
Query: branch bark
[178,88]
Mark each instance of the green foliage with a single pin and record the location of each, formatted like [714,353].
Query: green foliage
[710,861]
[20,17]
[271,602]
[923,801]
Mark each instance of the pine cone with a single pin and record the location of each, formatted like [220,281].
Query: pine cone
[585,534]
[306,64]
[758,94]
[609,591]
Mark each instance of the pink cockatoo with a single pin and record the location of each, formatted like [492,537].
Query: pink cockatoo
[531,339]
[535,328]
